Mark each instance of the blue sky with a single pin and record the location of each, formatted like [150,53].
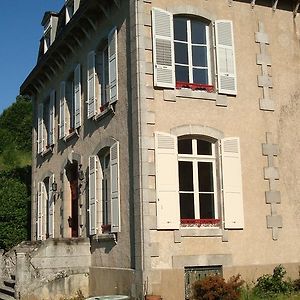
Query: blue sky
[20,32]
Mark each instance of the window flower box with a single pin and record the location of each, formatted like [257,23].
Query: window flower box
[195,86]
[200,222]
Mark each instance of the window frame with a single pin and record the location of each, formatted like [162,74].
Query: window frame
[195,159]
[190,45]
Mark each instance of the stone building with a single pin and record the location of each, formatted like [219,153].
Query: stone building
[165,145]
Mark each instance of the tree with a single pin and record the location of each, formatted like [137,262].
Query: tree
[14,203]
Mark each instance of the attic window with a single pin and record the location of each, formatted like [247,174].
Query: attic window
[71,8]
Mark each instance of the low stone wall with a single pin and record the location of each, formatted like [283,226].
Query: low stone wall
[52,269]
[111,281]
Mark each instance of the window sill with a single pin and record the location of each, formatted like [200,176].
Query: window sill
[187,93]
[71,134]
[48,150]
[104,110]
[201,232]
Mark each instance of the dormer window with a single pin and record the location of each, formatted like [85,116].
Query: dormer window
[47,40]
[71,7]
[49,23]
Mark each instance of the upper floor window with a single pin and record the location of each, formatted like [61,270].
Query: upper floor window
[197,180]
[102,75]
[192,51]
[71,7]
[70,103]
[104,191]
[183,52]
[194,186]
[46,124]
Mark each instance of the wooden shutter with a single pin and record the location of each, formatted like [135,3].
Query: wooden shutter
[225,57]
[51,207]
[62,110]
[115,188]
[51,132]
[232,183]
[39,211]
[41,139]
[94,171]
[167,182]
[113,65]
[163,48]
[91,84]
[77,97]
[42,199]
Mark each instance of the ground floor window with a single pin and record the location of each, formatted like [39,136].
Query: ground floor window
[192,274]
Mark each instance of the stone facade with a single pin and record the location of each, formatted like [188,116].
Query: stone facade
[145,237]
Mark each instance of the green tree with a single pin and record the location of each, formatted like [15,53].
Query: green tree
[14,203]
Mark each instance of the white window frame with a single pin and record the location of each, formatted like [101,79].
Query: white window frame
[190,51]
[195,158]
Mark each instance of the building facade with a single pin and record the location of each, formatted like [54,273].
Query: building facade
[166,135]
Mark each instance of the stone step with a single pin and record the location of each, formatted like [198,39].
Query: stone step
[7,290]
[6,297]
[9,282]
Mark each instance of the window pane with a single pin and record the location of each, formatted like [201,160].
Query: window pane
[186,176]
[181,53]
[200,76]
[187,206]
[182,73]
[207,207]
[205,177]
[200,56]
[198,32]
[185,146]
[180,29]
[203,147]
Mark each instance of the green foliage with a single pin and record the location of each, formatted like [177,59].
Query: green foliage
[216,288]
[267,286]
[14,203]
[16,124]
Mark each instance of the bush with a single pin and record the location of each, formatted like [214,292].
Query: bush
[216,288]
[270,285]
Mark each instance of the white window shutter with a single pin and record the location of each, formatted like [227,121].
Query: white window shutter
[39,212]
[225,57]
[113,65]
[91,84]
[62,110]
[41,139]
[232,183]
[93,201]
[51,207]
[163,48]
[51,132]
[167,182]
[115,188]
[77,97]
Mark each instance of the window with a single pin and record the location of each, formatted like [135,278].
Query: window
[104,191]
[197,181]
[46,123]
[47,40]
[102,74]
[71,8]
[70,104]
[183,52]
[193,274]
[45,209]
[193,186]
[192,52]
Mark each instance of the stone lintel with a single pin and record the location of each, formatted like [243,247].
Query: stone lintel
[271,173]
[274,221]
[270,149]
[266,104]
[264,81]
[273,197]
